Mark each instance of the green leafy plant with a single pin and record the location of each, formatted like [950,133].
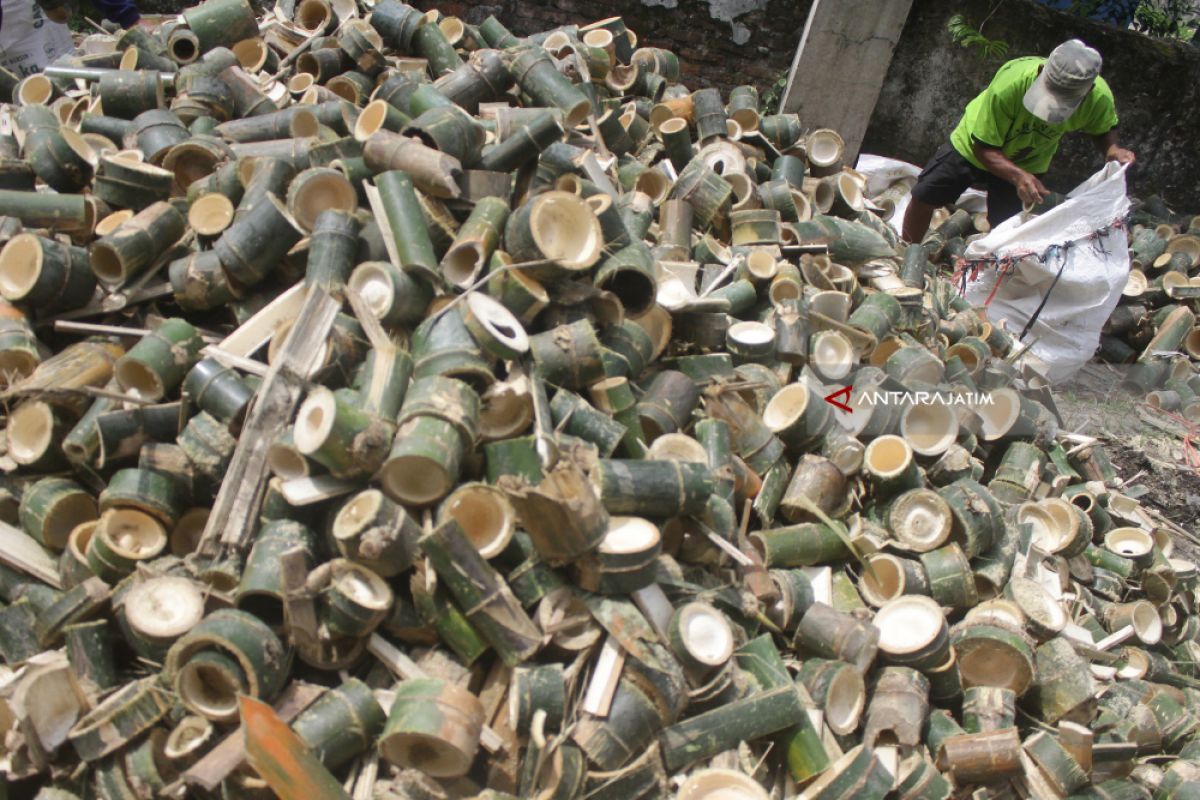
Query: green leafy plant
[772,96]
[970,37]
[1167,19]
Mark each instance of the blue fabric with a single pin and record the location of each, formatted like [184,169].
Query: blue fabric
[1118,12]
[123,12]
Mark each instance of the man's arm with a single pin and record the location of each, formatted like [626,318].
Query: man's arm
[1029,188]
[1107,144]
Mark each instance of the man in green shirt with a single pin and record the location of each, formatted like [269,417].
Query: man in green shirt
[1009,133]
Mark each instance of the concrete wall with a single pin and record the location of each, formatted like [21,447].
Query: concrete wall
[1156,83]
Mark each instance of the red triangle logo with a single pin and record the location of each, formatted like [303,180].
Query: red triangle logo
[843,393]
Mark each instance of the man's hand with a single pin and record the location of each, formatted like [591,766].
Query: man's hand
[1120,155]
[1030,189]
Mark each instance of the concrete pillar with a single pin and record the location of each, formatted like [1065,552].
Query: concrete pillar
[841,64]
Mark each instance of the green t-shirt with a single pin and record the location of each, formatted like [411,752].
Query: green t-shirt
[997,118]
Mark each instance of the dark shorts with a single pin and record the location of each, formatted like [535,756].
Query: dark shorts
[948,175]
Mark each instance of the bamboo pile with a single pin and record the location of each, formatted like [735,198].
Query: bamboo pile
[399,408]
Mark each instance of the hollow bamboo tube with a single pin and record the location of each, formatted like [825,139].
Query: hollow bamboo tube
[62,159]
[260,236]
[562,513]
[557,228]
[524,144]
[898,709]
[568,355]
[950,579]
[816,483]
[630,274]
[123,538]
[406,225]
[396,296]
[982,757]
[434,173]
[218,390]
[453,628]
[376,532]
[705,191]
[475,243]
[709,114]
[343,723]
[434,725]
[482,78]
[221,23]
[354,602]
[806,544]
[126,93]
[340,435]
[667,404]
[535,73]
[443,398]
[652,488]
[332,250]
[157,364]
[431,43]
[487,601]
[156,611]
[988,708]
[443,345]
[832,634]
[52,507]
[262,589]
[704,735]
[244,656]
[154,493]
[576,417]
[614,396]
[1057,763]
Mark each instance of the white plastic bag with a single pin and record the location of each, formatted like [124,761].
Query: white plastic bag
[1080,230]
[28,40]
[881,172]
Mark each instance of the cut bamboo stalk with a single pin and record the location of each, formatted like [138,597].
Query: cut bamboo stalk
[157,364]
[433,724]
[49,275]
[261,591]
[839,691]
[982,757]
[652,488]
[899,706]
[123,715]
[227,653]
[341,724]
[913,632]
[157,611]
[833,634]
[534,72]
[486,599]
[354,602]
[371,529]
[992,654]
[712,732]
[340,436]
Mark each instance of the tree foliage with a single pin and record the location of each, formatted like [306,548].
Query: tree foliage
[970,37]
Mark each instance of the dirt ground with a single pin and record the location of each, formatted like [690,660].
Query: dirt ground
[1147,448]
